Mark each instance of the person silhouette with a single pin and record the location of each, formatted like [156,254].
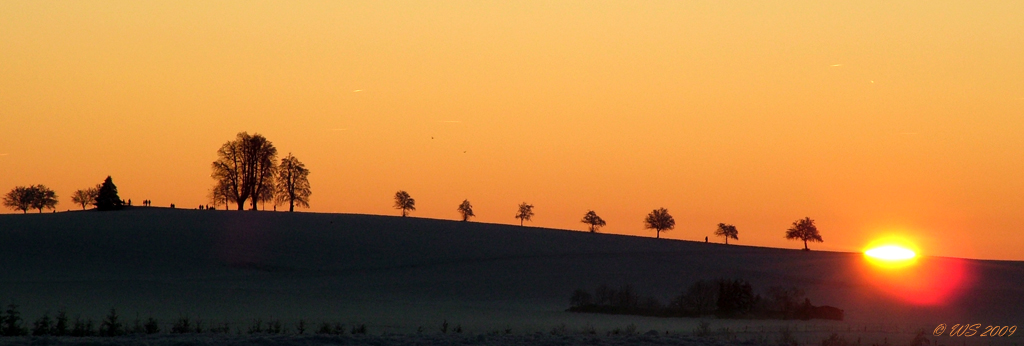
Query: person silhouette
[705,239]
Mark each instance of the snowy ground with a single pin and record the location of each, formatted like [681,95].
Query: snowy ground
[399,274]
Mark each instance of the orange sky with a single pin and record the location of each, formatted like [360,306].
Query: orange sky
[871,117]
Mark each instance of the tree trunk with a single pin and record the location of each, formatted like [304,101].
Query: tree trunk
[726,240]
[657,234]
[291,205]
[805,245]
[521,222]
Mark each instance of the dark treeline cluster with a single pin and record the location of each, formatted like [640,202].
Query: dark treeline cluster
[721,298]
[247,169]
[12,324]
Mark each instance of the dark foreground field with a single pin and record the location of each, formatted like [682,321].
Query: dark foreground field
[400,274]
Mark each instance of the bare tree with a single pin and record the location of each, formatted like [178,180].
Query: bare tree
[43,197]
[466,210]
[525,212]
[246,166]
[404,202]
[593,220]
[85,197]
[805,230]
[727,231]
[293,183]
[660,221]
[221,193]
[19,198]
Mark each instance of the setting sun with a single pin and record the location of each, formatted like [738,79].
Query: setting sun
[891,253]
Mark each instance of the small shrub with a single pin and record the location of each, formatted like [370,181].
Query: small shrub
[111,326]
[256,327]
[630,329]
[325,328]
[42,326]
[83,327]
[301,327]
[223,328]
[275,327]
[588,329]
[137,327]
[444,327]
[920,339]
[458,329]
[152,326]
[361,329]
[835,340]
[60,328]
[703,329]
[580,298]
[786,338]
[182,326]
[559,329]
[11,324]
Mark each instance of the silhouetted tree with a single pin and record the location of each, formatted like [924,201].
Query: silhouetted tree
[593,220]
[85,197]
[660,221]
[111,326]
[727,231]
[784,300]
[43,197]
[735,297]
[293,183]
[805,230]
[699,299]
[107,198]
[42,326]
[11,322]
[221,194]
[580,298]
[246,166]
[19,198]
[60,327]
[466,210]
[525,212]
[404,202]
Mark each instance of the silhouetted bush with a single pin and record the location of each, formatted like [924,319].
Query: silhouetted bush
[703,329]
[835,340]
[182,326]
[581,298]
[42,326]
[735,298]
[783,300]
[60,328]
[83,327]
[107,198]
[256,327]
[698,300]
[152,326]
[111,326]
[275,327]
[301,327]
[361,329]
[724,298]
[11,322]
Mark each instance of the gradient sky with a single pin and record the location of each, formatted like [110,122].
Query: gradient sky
[871,117]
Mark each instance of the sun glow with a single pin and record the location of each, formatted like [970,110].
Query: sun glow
[891,253]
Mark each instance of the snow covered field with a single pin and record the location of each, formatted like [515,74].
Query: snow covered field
[397,275]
